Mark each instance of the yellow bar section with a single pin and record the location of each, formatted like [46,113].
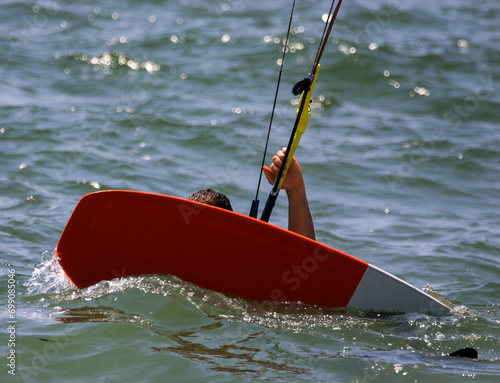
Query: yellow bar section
[301,127]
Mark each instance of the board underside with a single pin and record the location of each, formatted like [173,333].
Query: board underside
[113,234]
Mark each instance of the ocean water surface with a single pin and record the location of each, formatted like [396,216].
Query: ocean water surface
[401,160]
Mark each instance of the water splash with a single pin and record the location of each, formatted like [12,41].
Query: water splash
[48,277]
[425,335]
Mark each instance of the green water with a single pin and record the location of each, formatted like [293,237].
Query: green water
[401,160]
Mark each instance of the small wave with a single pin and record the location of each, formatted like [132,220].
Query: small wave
[148,284]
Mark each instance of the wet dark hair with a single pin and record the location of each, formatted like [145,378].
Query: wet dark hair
[211,197]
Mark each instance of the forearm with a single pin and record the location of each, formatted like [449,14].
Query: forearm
[299,216]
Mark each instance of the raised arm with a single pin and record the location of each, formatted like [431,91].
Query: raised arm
[299,216]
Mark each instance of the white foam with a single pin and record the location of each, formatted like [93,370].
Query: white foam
[48,277]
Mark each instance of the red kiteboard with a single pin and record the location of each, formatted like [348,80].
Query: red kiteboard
[114,234]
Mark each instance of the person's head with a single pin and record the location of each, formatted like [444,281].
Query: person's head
[211,197]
